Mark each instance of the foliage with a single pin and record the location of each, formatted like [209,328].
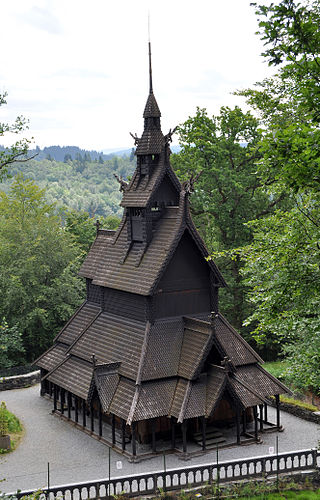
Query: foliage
[225,148]
[83,229]
[282,263]
[289,103]
[79,184]
[4,426]
[11,346]
[282,270]
[39,261]
[277,368]
[19,149]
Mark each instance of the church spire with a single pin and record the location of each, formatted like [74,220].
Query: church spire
[150,70]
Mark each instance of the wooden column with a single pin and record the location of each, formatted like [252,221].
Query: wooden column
[255,416]
[265,413]
[42,383]
[261,417]
[173,433]
[50,388]
[62,392]
[238,413]
[277,397]
[184,436]
[76,414]
[244,422]
[113,424]
[91,417]
[203,431]
[69,403]
[123,434]
[84,409]
[133,438]
[55,393]
[153,434]
[100,419]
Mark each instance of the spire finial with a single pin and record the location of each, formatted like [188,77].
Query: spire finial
[150,68]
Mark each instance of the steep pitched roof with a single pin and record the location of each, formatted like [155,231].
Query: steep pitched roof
[112,272]
[232,344]
[139,194]
[151,109]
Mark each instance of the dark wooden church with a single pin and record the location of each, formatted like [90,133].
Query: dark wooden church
[148,356]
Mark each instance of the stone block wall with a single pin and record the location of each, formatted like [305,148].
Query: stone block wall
[19,381]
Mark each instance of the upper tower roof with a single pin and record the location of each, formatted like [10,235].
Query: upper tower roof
[152,109]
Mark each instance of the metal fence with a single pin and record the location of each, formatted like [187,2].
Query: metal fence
[187,477]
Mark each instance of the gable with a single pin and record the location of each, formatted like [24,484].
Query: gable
[187,268]
[166,193]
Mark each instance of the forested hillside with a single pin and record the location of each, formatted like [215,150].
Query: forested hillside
[80,184]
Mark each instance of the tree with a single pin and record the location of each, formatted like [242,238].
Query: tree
[289,103]
[18,151]
[282,272]
[228,193]
[11,346]
[39,261]
[282,262]
[83,227]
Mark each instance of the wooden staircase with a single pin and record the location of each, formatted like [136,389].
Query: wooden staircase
[214,437]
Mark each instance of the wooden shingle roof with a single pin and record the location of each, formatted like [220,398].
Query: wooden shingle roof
[113,339]
[151,109]
[139,194]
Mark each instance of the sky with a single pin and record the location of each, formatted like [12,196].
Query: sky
[78,70]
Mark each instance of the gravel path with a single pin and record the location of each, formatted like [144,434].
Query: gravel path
[74,456]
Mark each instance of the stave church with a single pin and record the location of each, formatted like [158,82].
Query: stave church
[148,363]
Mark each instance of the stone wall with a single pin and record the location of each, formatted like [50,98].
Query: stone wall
[19,381]
[297,411]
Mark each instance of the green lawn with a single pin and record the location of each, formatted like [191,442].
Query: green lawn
[276,368]
[302,495]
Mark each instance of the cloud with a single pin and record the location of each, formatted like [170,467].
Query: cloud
[43,19]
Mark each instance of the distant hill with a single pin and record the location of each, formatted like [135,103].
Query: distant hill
[62,153]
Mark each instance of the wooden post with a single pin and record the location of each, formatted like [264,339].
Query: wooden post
[42,383]
[203,430]
[123,434]
[173,433]
[113,423]
[255,416]
[277,397]
[100,419]
[134,444]
[50,388]
[91,417]
[244,422]
[265,412]
[84,409]
[184,436]
[153,434]
[55,393]
[76,414]
[69,403]
[261,417]
[62,401]
[238,425]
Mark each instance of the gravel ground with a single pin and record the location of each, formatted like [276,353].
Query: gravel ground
[74,456]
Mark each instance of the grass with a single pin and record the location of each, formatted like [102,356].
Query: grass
[298,402]
[15,430]
[277,368]
[302,495]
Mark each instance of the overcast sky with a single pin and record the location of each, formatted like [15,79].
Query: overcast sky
[78,69]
